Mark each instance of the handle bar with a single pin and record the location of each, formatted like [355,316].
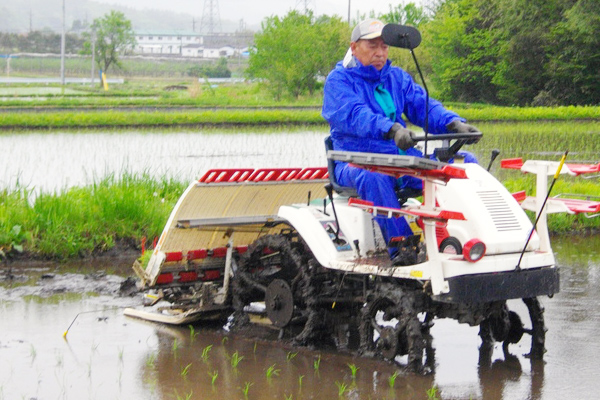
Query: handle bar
[470,137]
[460,139]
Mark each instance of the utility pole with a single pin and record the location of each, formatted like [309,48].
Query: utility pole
[210,17]
[93,54]
[305,4]
[62,48]
[349,22]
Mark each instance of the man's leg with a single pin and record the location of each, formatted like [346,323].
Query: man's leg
[379,189]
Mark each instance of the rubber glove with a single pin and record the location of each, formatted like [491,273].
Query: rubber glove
[402,137]
[458,126]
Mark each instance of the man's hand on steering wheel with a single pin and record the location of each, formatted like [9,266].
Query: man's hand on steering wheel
[404,138]
[457,126]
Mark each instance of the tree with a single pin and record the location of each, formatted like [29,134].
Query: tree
[112,35]
[292,53]
[524,27]
[413,15]
[540,52]
[573,67]
[409,14]
[464,49]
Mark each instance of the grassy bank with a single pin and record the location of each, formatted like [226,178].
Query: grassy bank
[56,120]
[57,110]
[193,117]
[155,93]
[80,222]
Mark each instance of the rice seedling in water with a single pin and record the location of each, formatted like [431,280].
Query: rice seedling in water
[300,381]
[432,393]
[187,396]
[213,376]
[290,356]
[206,352]
[272,371]
[342,388]
[353,370]
[224,340]
[236,359]
[246,388]
[185,370]
[151,360]
[121,350]
[193,333]
[32,353]
[287,397]
[175,346]
[317,363]
[392,379]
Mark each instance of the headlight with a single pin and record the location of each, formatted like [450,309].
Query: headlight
[474,250]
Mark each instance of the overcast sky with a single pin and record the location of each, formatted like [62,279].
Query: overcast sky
[254,11]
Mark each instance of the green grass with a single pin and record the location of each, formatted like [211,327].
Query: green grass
[497,113]
[69,119]
[253,116]
[153,93]
[82,221]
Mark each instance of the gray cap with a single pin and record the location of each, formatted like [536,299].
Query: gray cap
[368,29]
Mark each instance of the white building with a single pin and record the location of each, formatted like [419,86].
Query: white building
[225,51]
[193,50]
[192,44]
[167,42]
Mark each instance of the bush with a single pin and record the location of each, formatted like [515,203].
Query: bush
[216,70]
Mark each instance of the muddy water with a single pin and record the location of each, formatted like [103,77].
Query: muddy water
[109,356]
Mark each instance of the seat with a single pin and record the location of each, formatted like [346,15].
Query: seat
[339,189]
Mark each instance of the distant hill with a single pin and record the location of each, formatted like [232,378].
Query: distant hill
[25,15]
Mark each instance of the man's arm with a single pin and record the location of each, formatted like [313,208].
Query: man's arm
[414,106]
[347,112]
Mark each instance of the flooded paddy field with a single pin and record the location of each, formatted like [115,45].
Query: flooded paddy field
[106,355]
[56,160]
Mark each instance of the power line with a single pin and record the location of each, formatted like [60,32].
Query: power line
[211,21]
[305,5]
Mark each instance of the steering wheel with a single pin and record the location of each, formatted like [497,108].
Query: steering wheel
[459,139]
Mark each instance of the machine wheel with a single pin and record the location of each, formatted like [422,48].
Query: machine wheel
[507,327]
[269,271]
[538,328]
[279,303]
[390,326]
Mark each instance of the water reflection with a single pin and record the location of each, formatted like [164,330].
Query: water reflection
[107,355]
[54,161]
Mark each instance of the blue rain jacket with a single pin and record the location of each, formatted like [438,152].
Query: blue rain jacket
[357,121]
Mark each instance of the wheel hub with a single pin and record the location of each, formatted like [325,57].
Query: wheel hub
[388,343]
[279,303]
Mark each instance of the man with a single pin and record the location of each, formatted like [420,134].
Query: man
[364,100]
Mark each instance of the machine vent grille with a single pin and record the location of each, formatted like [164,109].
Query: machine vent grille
[502,216]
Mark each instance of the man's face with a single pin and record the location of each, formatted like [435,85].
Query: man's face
[370,52]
